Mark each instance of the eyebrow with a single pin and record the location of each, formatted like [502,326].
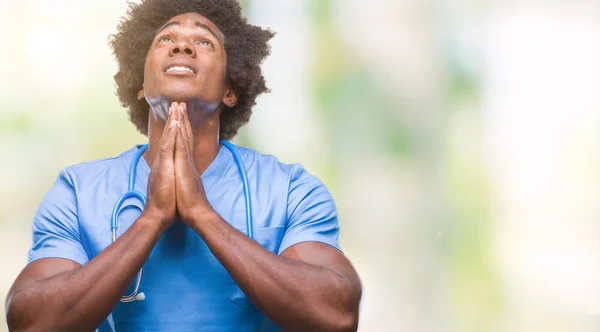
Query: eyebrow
[198,24]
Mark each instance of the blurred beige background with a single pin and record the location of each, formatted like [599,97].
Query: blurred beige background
[460,140]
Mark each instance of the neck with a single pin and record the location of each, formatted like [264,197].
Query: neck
[205,126]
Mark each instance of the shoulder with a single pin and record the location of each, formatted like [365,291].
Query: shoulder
[262,161]
[269,165]
[85,172]
[292,180]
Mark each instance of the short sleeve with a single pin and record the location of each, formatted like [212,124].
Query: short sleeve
[311,212]
[56,226]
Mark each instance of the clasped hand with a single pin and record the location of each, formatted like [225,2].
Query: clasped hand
[175,188]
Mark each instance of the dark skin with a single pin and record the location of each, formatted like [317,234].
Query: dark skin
[310,287]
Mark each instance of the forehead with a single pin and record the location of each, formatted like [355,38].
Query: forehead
[192,18]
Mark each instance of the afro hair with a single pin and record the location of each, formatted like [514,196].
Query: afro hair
[246,46]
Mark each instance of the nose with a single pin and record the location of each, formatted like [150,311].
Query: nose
[182,46]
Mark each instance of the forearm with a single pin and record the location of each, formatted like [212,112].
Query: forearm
[79,300]
[294,294]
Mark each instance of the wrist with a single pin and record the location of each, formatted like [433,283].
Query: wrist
[200,217]
[152,222]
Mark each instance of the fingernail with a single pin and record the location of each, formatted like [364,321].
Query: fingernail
[170,110]
[181,110]
[174,123]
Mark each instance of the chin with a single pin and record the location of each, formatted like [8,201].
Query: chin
[193,99]
[179,95]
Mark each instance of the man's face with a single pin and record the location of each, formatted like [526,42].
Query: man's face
[186,63]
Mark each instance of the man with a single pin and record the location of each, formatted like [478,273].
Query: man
[189,72]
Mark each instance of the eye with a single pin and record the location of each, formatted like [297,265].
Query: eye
[204,42]
[165,39]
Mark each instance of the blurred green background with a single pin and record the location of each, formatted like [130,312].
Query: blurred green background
[460,140]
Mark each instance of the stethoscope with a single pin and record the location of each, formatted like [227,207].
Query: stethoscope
[132,193]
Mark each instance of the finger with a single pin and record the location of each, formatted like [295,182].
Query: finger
[182,160]
[185,161]
[166,128]
[181,151]
[167,141]
[187,128]
[176,113]
[173,111]
[181,113]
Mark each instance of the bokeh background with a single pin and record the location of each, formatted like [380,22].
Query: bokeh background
[460,140]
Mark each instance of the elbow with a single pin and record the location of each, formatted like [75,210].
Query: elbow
[338,321]
[13,320]
[17,318]
[348,320]
[346,323]
[347,310]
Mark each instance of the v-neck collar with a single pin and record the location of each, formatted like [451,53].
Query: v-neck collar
[210,176]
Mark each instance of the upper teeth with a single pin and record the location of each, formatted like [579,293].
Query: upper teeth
[180,68]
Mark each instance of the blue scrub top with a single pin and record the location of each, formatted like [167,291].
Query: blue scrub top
[186,287]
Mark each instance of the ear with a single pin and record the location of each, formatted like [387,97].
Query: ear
[230,98]
[141,95]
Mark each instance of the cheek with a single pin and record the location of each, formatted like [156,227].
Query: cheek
[223,69]
[149,71]
[216,77]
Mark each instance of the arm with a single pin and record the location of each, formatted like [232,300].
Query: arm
[310,287]
[54,294]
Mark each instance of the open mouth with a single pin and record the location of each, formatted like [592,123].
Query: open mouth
[180,70]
